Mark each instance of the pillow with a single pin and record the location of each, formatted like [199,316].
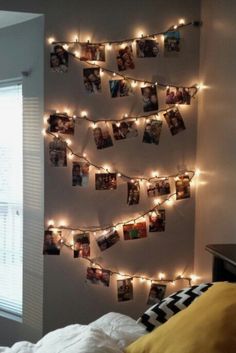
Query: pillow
[207,325]
[159,313]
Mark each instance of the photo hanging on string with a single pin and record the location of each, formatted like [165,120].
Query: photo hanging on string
[150,100]
[120,88]
[80,174]
[178,95]
[157,220]
[125,130]
[108,239]
[171,43]
[133,194]
[135,231]
[59,59]
[57,153]
[52,242]
[174,121]
[81,245]
[93,52]
[152,131]
[61,123]
[124,289]
[182,185]
[147,48]
[92,80]
[125,57]
[102,137]
[156,294]
[96,275]
[105,181]
[159,187]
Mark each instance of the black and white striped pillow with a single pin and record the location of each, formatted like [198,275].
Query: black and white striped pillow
[159,313]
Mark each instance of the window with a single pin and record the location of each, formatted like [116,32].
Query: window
[11,197]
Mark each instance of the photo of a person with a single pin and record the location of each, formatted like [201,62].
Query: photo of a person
[157,220]
[102,138]
[133,193]
[52,242]
[92,80]
[125,58]
[150,101]
[135,231]
[182,185]
[93,52]
[61,123]
[107,240]
[125,289]
[81,245]
[159,187]
[105,278]
[156,294]
[80,174]
[147,48]
[120,88]
[178,95]
[152,132]
[124,130]
[105,181]
[59,59]
[171,42]
[174,121]
[57,153]
[97,275]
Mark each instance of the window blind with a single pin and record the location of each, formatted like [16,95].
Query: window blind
[11,197]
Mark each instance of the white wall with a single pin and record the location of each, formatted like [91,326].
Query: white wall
[67,298]
[215,207]
[22,50]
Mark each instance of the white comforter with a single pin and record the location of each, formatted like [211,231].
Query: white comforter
[109,334]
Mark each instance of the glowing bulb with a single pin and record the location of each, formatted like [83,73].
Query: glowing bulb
[155,174]
[70,156]
[114,74]
[51,40]
[69,142]
[156,83]
[44,132]
[147,120]
[134,83]
[173,283]
[170,202]
[57,111]
[132,180]
[142,279]
[66,110]
[137,122]
[77,53]
[51,223]
[119,175]
[88,40]
[182,21]
[62,223]
[167,87]
[200,86]
[126,115]
[106,167]
[197,172]
[84,155]
[194,277]
[157,201]
[175,27]
[109,46]
[66,46]
[123,45]
[118,124]
[161,276]
[101,72]
[83,113]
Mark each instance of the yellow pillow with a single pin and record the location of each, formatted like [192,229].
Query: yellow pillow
[208,325]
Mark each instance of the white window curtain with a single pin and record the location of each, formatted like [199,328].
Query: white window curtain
[11,197]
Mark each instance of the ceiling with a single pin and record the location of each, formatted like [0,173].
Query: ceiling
[8,18]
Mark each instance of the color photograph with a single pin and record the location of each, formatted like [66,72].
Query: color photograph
[81,245]
[152,132]
[57,153]
[156,294]
[125,58]
[171,42]
[174,121]
[147,48]
[120,88]
[59,59]
[107,240]
[135,231]
[92,80]
[105,181]
[98,276]
[182,185]
[150,101]
[157,220]
[178,95]
[93,52]
[133,193]
[61,123]
[52,242]
[124,130]
[124,289]
[80,174]
[159,187]
[102,137]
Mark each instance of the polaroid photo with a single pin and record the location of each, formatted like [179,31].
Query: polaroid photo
[105,181]
[80,174]
[147,48]
[120,88]
[182,185]
[124,130]
[81,245]
[108,239]
[135,231]
[59,59]
[157,220]
[57,153]
[92,52]
[61,123]
[150,100]
[124,289]
[92,80]
[156,294]
[159,187]
[97,275]
[178,95]
[152,132]
[125,58]
[171,43]
[102,137]
[133,193]
[52,242]
[174,121]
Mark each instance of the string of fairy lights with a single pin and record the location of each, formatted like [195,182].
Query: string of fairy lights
[71,47]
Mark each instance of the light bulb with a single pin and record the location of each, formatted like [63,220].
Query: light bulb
[51,40]
[51,223]
[83,113]
[182,21]
[197,172]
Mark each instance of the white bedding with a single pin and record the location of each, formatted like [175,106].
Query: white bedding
[109,334]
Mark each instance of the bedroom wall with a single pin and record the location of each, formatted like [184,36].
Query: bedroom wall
[67,296]
[22,50]
[215,204]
